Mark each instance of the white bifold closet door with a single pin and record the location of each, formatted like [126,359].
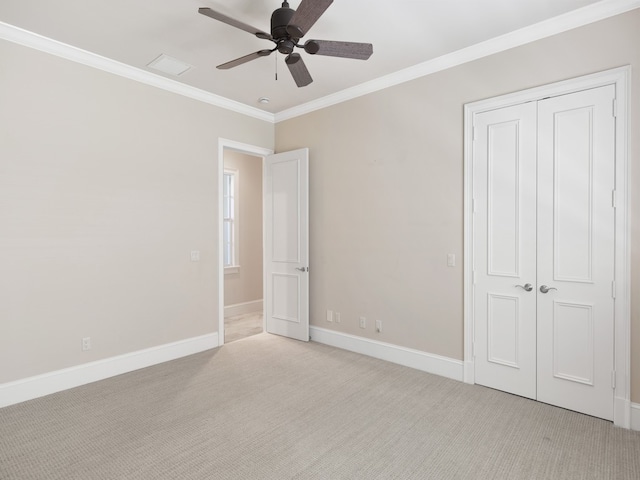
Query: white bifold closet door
[544,250]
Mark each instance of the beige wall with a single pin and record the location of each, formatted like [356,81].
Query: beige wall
[386,188]
[246,285]
[106,185]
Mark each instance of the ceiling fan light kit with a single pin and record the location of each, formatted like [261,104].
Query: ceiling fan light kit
[288,26]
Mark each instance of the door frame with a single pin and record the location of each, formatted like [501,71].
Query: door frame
[620,78]
[255,151]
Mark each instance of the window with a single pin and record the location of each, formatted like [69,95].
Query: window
[230,221]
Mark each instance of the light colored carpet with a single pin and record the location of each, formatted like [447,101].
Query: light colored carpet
[273,408]
[242,326]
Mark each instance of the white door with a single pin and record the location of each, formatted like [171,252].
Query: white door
[286,256]
[543,183]
[576,251]
[505,249]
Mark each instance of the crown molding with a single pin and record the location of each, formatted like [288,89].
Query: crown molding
[53,47]
[562,23]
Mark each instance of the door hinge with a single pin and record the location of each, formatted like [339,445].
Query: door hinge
[615,107]
[613,379]
[473,205]
[473,277]
[473,349]
[614,199]
[474,132]
[613,288]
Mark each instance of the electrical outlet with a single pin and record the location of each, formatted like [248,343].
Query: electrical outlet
[329,316]
[363,322]
[451,259]
[379,326]
[337,318]
[86,344]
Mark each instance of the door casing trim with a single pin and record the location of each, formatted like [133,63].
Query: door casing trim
[620,78]
[261,152]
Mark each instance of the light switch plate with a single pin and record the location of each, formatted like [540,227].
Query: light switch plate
[195,255]
[451,259]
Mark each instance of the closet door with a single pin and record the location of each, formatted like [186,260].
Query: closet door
[576,251]
[544,250]
[505,249]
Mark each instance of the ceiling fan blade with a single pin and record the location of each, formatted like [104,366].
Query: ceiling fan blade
[234,23]
[361,51]
[298,70]
[245,59]
[306,15]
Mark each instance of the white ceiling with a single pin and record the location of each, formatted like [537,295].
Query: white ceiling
[404,33]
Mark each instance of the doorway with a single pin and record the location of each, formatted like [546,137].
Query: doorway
[285,239]
[546,243]
[242,245]
[241,252]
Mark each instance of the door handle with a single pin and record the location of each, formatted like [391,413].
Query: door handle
[303,269]
[545,289]
[527,287]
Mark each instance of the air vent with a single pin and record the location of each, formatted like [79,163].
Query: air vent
[170,65]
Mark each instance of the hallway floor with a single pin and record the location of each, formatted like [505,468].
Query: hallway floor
[242,326]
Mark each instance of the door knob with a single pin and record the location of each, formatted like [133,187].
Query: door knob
[303,269]
[527,286]
[545,289]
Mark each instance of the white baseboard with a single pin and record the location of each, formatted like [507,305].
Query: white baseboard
[427,362]
[56,381]
[635,416]
[242,308]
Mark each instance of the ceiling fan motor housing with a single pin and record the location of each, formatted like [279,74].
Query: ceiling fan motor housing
[280,18]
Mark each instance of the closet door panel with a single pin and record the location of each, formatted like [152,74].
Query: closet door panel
[576,251]
[505,250]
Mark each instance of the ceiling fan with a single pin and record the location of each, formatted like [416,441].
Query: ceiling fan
[288,26]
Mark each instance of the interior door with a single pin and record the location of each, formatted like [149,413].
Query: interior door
[576,251]
[286,209]
[505,249]
[544,250]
